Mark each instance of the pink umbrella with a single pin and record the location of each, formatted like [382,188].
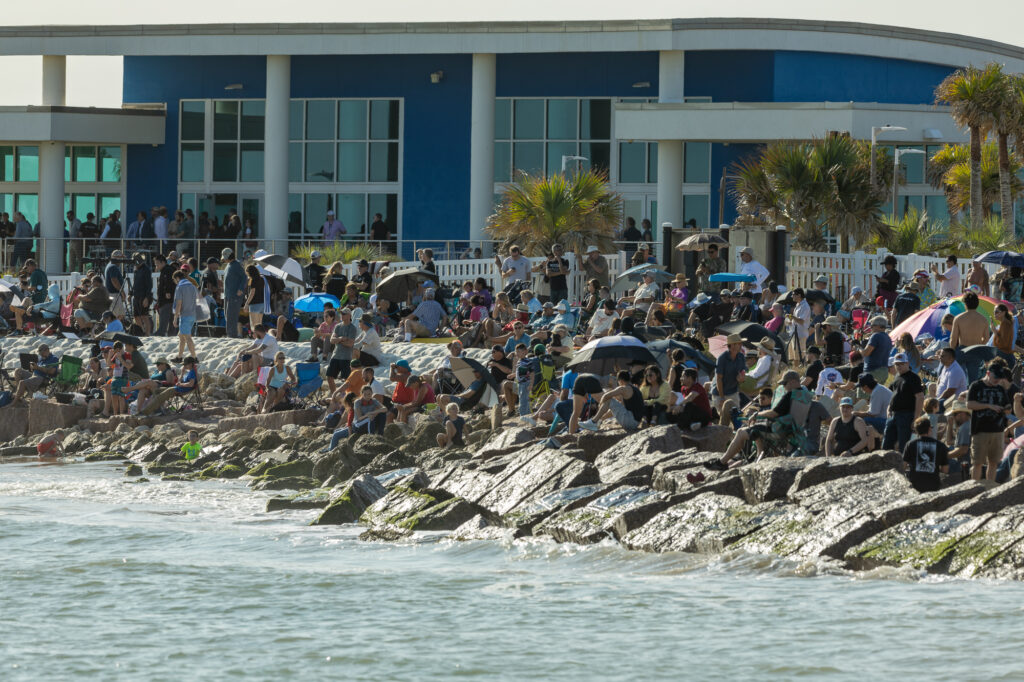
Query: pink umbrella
[929,320]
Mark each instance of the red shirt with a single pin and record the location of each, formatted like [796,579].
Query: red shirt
[701,401]
[402,393]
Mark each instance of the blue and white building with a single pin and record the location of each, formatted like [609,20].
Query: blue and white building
[423,123]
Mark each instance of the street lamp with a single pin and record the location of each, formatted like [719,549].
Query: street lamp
[896,174]
[572,158]
[874,132]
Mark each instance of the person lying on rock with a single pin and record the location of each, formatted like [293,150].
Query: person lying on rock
[454,423]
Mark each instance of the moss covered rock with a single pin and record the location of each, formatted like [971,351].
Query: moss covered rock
[351,500]
[285,483]
[222,470]
[179,466]
[105,456]
[307,499]
[340,463]
[447,515]
[401,504]
[133,470]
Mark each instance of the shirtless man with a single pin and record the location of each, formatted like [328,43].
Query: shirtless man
[970,328]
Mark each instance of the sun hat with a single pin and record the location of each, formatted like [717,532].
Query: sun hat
[592,249]
[649,273]
[879,321]
[856,290]
[821,279]
[747,250]
[957,406]
[118,253]
[975,289]
[548,304]
[701,299]
[562,306]
[522,308]
[832,321]
[162,361]
[680,277]
[734,338]
[315,254]
[846,402]
[766,344]
[900,358]
[226,253]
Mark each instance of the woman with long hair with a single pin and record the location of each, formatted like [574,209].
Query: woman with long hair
[656,393]
[258,298]
[502,314]
[335,280]
[906,345]
[1002,332]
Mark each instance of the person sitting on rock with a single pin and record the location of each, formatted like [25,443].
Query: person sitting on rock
[280,379]
[39,372]
[188,382]
[454,423]
[625,403]
[260,354]
[345,430]
[191,449]
[426,320]
[695,406]
[848,434]
[466,400]
[369,416]
[767,437]
[414,394]
[162,378]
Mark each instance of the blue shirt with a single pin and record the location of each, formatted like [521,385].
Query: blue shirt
[879,358]
[429,314]
[114,326]
[730,369]
[189,376]
[512,342]
[110,273]
[46,362]
[569,378]
[534,306]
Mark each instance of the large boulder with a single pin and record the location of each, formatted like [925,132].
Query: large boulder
[348,502]
[481,528]
[423,436]
[317,498]
[770,479]
[244,386]
[711,438]
[445,515]
[612,515]
[13,423]
[286,483]
[340,463]
[410,477]
[832,468]
[367,447]
[526,516]
[44,416]
[505,442]
[996,499]
[402,504]
[537,471]
[632,460]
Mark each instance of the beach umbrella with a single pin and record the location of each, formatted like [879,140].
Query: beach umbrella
[636,274]
[751,331]
[122,337]
[929,320]
[282,267]
[813,295]
[662,349]
[463,369]
[314,303]
[399,285]
[1010,259]
[698,242]
[601,356]
[731,277]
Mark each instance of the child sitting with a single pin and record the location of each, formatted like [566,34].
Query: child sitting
[50,446]
[191,449]
[454,423]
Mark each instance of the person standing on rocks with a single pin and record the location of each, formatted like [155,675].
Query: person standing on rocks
[234,292]
[989,403]
[924,457]
[876,352]
[730,370]
[906,405]
[343,338]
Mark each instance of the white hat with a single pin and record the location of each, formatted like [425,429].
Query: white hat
[563,306]
[747,250]
[701,299]
[666,224]
[330,213]
[592,249]
[315,254]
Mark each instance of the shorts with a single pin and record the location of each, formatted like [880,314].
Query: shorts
[139,307]
[338,368]
[185,325]
[622,415]
[46,448]
[987,448]
[117,386]
[258,308]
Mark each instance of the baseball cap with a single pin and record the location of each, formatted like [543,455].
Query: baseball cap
[315,254]
[901,357]
[363,263]
[330,213]
[404,364]
[539,349]
[592,249]
[866,381]
[496,347]
[846,401]
[211,260]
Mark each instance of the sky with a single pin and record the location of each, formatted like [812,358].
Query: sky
[96,81]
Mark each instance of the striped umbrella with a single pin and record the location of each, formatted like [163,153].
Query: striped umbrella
[929,320]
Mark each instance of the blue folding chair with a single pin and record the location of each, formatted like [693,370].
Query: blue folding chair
[310,382]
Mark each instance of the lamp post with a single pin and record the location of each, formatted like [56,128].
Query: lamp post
[896,174]
[874,132]
[566,158]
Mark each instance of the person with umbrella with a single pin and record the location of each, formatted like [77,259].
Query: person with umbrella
[710,264]
[646,293]
[467,399]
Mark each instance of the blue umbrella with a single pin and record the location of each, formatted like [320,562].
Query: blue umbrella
[314,303]
[1010,259]
[731,277]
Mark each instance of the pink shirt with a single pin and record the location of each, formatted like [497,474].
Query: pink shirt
[774,324]
[478,313]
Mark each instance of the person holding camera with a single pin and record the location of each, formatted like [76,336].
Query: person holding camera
[142,294]
[556,270]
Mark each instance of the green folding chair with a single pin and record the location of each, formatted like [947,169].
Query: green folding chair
[66,380]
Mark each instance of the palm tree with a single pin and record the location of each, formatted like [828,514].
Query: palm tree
[991,235]
[576,211]
[950,169]
[972,93]
[912,233]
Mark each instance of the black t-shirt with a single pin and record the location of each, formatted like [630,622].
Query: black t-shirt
[905,388]
[379,230]
[500,375]
[904,306]
[632,235]
[88,230]
[459,423]
[834,345]
[890,280]
[586,384]
[813,370]
[364,278]
[316,275]
[925,455]
[556,281]
[988,421]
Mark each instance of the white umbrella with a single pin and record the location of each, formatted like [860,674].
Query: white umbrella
[282,267]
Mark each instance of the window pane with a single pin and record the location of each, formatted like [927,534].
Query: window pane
[319,162]
[502,119]
[529,157]
[384,119]
[67,164]
[652,162]
[632,162]
[351,212]
[7,204]
[906,203]
[502,162]
[556,150]
[562,119]
[225,120]
[317,206]
[695,207]
[913,166]
[28,205]
[110,164]
[225,162]
[598,153]
[320,119]
[352,162]
[84,205]
[84,162]
[252,162]
[110,203]
[192,162]
[938,210]
[7,164]
[295,162]
[352,119]
[529,119]
[697,164]
[193,120]
[295,119]
[186,200]
[596,119]
[252,119]
[383,162]
[387,206]
[28,164]
[295,214]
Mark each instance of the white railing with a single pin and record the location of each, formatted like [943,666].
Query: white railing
[859,269]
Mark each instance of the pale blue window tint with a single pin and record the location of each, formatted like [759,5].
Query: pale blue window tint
[294,162]
[319,162]
[315,214]
[562,119]
[384,119]
[352,119]
[632,162]
[28,164]
[7,165]
[110,203]
[502,162]
[938,210]
[295,214]
[383,162]
[296,117]
[352,162]
[225,120]
[84,162]
[192,162]
[529,120]
[110,164]
[252,162]
[556,150]
[351,211]
[695,206]
[502,119]
[28,204]
[529,157]
[320,119]
[595,119]
[697,164]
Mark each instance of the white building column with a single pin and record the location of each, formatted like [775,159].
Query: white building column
[51,173]
[670,152]
[275,154]
[481,145]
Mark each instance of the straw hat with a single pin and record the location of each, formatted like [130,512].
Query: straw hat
[734,338]
[832,321]
[766,344]
[522,308]
[957,406]
[680,277]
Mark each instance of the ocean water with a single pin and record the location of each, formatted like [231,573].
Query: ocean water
[108,580]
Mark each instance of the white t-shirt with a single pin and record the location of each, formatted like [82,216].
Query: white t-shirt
[645,290]
[759,272]
[520,267]
[269,344]
[829,375]
[377,387]
[878,406]
[761,370]
[952,377]
[950,286]
[802,311]
[601,322]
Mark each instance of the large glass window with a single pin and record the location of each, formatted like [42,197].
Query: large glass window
[192,162]
[7,165]
[633,161]
[697,162]
[110,164]
[562,119]
[253,113]
[193,120]
[251,162]
[225,120]
[913,165]
[225,162]
[352,119]
[319,162]
[320,119]
[28,164]
[545,130]
[84,162]
[384,119]
[695,207]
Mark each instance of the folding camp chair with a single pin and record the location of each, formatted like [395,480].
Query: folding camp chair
[67,378]
[310,382]
[193,400]
[542,387]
